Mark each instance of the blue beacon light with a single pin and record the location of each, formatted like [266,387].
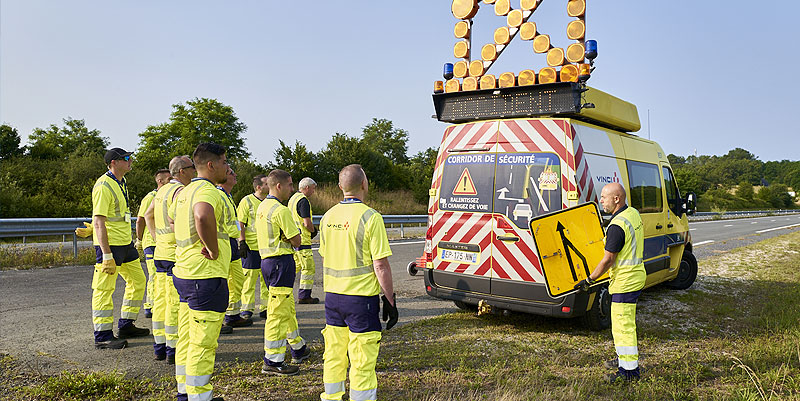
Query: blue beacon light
[591,50]
[448,71]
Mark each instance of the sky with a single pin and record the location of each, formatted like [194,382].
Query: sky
[712,75]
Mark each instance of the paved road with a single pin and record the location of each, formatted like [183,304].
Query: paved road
[45,320]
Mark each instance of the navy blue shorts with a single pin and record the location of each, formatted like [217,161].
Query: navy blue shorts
[279,271]
[207,294]
[150,250]
[252,260]
[122,254]
[234,249]
[164,266]
[360,314]
[626,297]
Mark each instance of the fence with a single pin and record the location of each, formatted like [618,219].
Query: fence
[10,228]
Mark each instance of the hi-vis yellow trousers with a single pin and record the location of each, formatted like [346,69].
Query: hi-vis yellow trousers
[103,286]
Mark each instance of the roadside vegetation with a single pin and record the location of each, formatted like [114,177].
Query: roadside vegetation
[735,335]
[24,257]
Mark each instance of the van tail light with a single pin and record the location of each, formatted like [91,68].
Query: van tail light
[429,241]
[502,223]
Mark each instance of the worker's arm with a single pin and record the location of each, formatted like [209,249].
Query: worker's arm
[295,241]
[140,225]
[206,224]
[241,231]
[608,260]
[384,274]
[150,219]
[308,224]
[99,223]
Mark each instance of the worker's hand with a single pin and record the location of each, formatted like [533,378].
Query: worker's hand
[208,254]
[390,311]
[138,245]
[314,233]
[584,284]
[109,267]
[243,248]
[85,231]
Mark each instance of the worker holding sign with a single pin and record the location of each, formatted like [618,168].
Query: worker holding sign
[624,245]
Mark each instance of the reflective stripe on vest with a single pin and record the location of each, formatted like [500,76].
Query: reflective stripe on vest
[633,260]
[361,268]
[274,242]
[117,217]
[193,235]
[251,209]
[164,227]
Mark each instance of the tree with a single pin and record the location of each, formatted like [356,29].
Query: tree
[392,142]
[421,173]
[199,120]
[745,191]
[59,142]
[9,142]
[343,150]
[298,161]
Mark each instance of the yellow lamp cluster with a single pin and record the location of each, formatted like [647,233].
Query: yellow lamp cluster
[563,65]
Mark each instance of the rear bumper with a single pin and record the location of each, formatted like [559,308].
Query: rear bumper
[538,302]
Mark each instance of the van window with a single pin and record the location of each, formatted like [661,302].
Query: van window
[467,182]
[673,196]
[645,184]
[528,184]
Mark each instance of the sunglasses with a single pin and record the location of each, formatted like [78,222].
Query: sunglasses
[192,166]
[125,158]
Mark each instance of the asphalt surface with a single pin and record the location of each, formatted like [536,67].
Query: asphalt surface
[45,319]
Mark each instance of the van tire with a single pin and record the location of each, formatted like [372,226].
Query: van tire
[465,306]
[598,317]
[411,269]
[687,273]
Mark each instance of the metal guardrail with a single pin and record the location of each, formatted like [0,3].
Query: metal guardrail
[33,227]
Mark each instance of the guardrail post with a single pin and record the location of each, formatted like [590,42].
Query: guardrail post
[75,245]
[402,233]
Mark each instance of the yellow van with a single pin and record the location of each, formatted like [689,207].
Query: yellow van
[522,152]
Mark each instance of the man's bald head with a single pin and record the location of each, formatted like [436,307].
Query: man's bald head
[351,178]
[612,197]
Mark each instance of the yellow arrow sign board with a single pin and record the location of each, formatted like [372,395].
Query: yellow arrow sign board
[570,245]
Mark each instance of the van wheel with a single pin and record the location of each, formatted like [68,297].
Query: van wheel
[412,269]
[465,306]
[687,273]
[599,316]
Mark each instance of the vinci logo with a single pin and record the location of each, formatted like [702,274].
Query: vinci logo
[607,179]
[340,227]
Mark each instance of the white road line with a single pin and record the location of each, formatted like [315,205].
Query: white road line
[772,220]
[692,229]
[777,228]
[728,225]
[703,242]
[390,244]
[753,222]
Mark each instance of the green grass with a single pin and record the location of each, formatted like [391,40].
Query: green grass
[21,257]
[735,335]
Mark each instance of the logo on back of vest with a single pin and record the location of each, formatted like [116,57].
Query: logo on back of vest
[340,226]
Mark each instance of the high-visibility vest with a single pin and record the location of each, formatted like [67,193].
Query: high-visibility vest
[247,214]
[628,273]
[165,236]
[109,199]
[305,235]
[352,235]
[274,225]
[189,260]
[147,239]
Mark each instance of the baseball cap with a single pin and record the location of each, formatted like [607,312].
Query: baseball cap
[116,154]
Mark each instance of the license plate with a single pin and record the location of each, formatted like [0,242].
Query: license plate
[450,255]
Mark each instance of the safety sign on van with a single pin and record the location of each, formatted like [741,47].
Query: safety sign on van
[467,182]
[528,185]
[570,245]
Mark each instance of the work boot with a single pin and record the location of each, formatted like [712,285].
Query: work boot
[281,370]
[131,331]
[246,315]
[226,329]
[611,364]
[148,313]
[113,343]
[263,314]
[171,359]
[308,301]
[623,375]
[302,357]
[240,322]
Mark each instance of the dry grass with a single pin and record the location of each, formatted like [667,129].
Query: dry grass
[385,202]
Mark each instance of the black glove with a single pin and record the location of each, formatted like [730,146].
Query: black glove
[389,311]
[314,233]
[243,248]
[584,284]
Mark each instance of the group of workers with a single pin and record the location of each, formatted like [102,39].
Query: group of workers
[205,256]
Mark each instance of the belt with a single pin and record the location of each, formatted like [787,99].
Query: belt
[301,247]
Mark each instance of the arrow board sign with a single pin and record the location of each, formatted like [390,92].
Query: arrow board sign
[570,245]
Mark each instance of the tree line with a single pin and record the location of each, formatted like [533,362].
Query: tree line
[729,182]
[53,175]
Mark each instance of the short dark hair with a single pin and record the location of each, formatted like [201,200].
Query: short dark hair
[278,176]
[258,181]
[206,152]
[161,171]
